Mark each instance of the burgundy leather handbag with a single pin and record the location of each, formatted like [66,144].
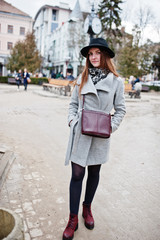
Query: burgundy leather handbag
[95,123]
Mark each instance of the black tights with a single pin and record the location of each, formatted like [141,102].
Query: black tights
[78,173]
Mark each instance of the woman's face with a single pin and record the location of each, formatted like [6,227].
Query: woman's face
[95,57]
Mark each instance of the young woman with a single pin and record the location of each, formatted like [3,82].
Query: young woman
[19,78]
[26,76]
[103,91]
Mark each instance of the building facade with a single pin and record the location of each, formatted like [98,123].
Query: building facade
[59,36]
[14,25]
[47,19]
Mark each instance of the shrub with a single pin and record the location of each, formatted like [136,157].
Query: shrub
[155,88]
[3,79]
[39,81]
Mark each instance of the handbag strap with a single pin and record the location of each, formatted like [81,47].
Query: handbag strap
[83,101]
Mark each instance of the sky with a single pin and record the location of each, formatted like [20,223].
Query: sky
[129,12]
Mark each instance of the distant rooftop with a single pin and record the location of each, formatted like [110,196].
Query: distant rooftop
[8,8]
[62,5]
[76,13]
[85,6]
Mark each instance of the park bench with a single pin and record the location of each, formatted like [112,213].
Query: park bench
[59,86]
[11,80]
[145,88]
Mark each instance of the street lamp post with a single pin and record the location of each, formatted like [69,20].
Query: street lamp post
[67,59]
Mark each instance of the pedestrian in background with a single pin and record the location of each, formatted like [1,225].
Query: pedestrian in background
[137,86]
[69,76]
[53,75]
[26,79]
[103,91]
[138,89]
[19,78]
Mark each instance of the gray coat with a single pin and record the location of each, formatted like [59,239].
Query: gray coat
[104,96]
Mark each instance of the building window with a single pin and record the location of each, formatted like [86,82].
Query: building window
[9,45]
[54,15]
[10,29]
[53,26]
[22,31]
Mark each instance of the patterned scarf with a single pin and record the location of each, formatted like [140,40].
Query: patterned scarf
[98,74]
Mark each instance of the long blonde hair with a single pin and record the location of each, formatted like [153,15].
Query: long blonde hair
[106,63]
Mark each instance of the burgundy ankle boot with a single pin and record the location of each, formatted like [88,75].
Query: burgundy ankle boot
[72,226]
[88,218]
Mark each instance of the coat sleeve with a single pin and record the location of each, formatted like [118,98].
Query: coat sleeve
[119,105]
[74,104]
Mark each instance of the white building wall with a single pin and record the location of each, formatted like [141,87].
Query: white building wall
[16,21]
[63,16]
[43,23]
[61,54]
[49,20]
[54,45]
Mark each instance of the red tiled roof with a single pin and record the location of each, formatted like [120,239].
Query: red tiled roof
[8,8]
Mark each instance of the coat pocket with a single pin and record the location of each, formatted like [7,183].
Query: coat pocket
[71,139]
[73,124]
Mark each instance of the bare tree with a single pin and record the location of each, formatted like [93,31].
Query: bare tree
[144,18]
[141,17]
[157,29]
[76,41]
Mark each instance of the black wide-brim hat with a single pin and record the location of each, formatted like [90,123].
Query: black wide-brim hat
[99,43]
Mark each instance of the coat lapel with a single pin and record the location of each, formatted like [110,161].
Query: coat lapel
[89,87]
[106,83]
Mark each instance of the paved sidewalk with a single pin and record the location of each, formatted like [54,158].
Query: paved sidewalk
[6,159]
[34,126]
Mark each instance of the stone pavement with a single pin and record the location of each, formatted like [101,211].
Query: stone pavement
[33,125]
[6,160]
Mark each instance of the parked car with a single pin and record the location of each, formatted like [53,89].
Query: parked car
[146,86]
[151,83]
[156,83]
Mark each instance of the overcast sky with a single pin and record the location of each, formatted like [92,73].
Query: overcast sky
[129,10]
